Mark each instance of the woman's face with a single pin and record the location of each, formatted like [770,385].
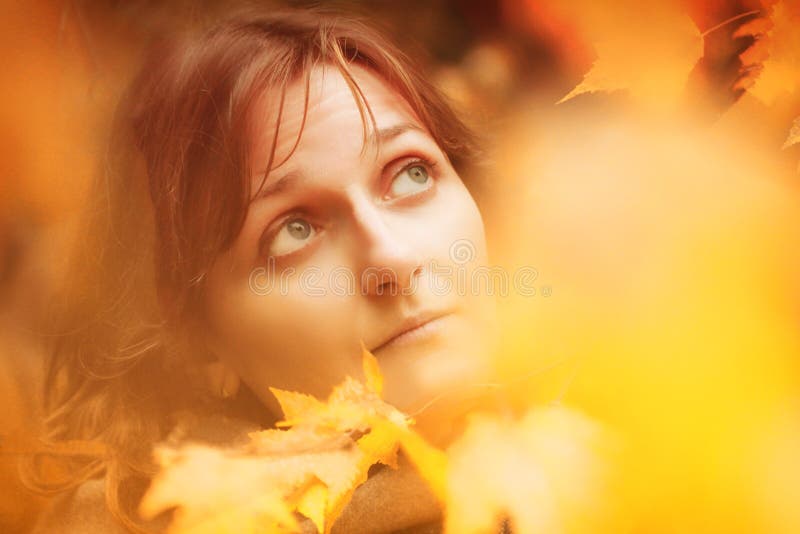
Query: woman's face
[348,242]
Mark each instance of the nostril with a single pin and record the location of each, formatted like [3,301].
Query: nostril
[386,288]
[379,280]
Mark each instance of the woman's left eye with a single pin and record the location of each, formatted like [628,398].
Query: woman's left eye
[412,179]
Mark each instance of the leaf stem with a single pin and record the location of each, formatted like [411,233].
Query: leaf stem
[728,21]
[494,385]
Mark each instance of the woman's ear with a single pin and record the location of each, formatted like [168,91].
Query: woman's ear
[221,380]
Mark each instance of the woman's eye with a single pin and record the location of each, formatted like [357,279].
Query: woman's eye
[413,179]
[293,235]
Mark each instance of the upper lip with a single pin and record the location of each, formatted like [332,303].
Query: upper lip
[410,323]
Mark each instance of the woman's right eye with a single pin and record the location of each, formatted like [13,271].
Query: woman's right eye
[293,235]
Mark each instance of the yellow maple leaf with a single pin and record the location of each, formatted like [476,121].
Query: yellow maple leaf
[645,48]
[777,47]
[349,407]
[546,473]
[293,404]
[217,492]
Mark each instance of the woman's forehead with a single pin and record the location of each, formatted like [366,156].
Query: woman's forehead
[325,108]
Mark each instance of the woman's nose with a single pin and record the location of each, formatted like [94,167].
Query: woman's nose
[389,263]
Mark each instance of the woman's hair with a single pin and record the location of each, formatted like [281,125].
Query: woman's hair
[172,195]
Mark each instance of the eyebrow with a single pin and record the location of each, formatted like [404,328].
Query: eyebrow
[281,184]
[375,138]
[390,132]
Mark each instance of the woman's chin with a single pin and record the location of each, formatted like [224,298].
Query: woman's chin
[437,385]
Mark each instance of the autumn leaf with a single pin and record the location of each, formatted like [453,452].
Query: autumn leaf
[548,472]
[753,57]
[293,404]
[794,134]
[349,407]
[216,490]
[774,58]
[645,48]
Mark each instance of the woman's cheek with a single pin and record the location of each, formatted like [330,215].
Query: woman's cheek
[297,342]
[462,237]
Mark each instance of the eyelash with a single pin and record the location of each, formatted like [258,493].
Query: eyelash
[275,228]
[418,160]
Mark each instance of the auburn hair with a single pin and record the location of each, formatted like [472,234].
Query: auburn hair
[172,195]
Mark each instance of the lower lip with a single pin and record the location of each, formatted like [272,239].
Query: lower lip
[421,333]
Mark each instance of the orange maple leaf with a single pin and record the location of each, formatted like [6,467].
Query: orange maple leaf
[774,58]
[221,491]
[645,48]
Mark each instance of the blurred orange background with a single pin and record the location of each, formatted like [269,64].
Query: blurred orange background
[658,207]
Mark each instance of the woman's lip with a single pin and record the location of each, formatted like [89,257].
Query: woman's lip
[421,331]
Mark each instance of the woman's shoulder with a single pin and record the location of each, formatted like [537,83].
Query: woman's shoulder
[82,509]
